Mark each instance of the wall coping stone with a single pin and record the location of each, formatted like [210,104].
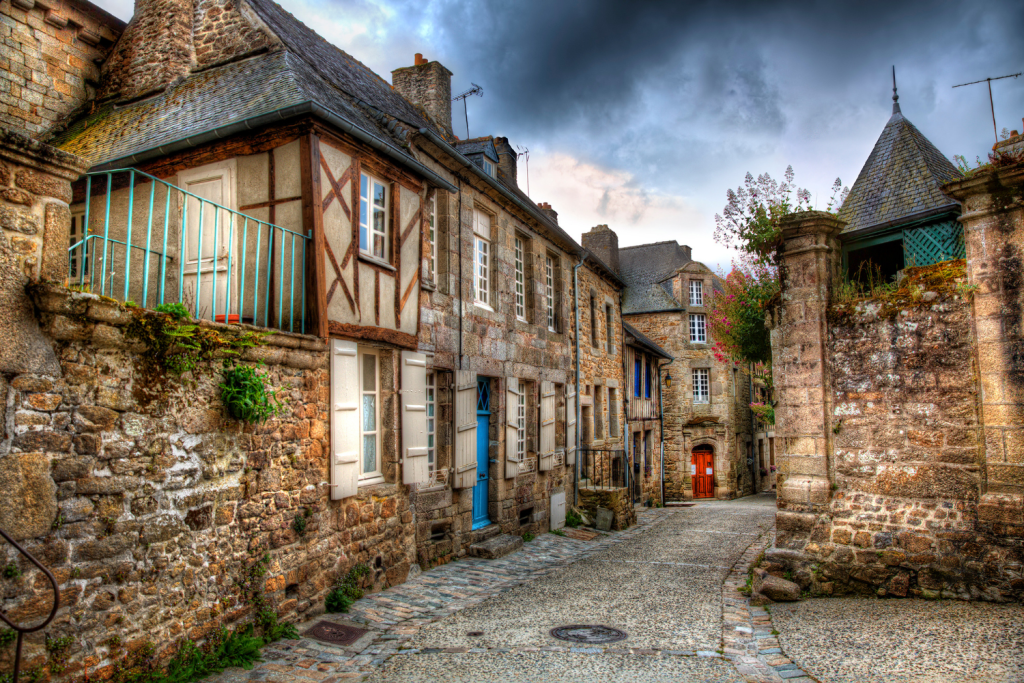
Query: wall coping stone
[23,150]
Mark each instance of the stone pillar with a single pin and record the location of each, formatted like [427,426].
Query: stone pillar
[35,224]
[810,258]
[993,220]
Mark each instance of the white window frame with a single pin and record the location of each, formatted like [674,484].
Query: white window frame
[521,423]
[698,329]
[431,403]
[489,167]
[701,386]
[520,252]
[376,476]
[433,238]
[367,182]
[482,259]
[549,290]
[696,292]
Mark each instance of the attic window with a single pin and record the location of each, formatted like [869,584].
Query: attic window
[489,167]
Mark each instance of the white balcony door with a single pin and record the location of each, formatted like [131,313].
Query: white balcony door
[207,268]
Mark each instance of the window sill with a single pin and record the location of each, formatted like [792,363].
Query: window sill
[428,286]
[366,258]
[371,480]
[480,304]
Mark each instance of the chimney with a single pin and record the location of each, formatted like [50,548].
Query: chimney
[154,50]
[506,161]
[429,85]
[546,209]
[603,243]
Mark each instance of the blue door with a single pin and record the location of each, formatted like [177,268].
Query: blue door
[483,419]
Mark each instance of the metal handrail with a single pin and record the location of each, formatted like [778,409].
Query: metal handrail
[280,247]
[22,630]
[597,468]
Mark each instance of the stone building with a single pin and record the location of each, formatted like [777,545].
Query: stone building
[899,414]
[705,408]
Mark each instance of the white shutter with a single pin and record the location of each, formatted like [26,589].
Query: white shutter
[512,427]
[344,419]
[465,430]
[415,469]
[547,426]
[570,424]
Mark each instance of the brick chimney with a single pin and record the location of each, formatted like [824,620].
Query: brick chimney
[154,50]
[506,161]
[429,85]
[548,211]
[603,243]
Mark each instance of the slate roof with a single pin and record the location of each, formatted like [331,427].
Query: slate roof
[644,341]
[478,146]
[307,70]
[644,269]
[900,179]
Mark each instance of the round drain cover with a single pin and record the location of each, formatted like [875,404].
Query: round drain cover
[593,635]
[474,634]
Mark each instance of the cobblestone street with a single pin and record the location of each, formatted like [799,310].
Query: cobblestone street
[670,584]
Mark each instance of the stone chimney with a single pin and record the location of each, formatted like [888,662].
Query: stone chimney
[429,85]
[506,161]
[548,211]
[154,50]
[603,243]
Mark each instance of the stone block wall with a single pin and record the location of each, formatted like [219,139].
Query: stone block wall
[617,500]
[149,503]
[49,62]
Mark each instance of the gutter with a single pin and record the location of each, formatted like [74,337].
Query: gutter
[277,116]
[576,303]
[755,462]
[661,424]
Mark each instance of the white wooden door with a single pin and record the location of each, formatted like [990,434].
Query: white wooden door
[209,237]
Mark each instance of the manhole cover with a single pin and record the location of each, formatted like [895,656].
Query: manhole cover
[593,635]
[474,634]
[335,634]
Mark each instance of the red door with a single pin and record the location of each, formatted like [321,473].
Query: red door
[702,470]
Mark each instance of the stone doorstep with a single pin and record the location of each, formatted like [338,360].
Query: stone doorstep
[483,534]
[496,546]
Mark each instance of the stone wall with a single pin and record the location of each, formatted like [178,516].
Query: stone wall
[49,62]
[148,502]
[617,500]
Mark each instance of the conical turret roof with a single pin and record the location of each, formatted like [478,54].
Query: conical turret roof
[900,181]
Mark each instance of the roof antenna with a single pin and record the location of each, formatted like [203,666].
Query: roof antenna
[990,104]
[525,152]
[895,97]
[475,90]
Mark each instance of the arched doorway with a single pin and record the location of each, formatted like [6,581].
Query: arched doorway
[702,471]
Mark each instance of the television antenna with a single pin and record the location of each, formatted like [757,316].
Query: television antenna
[475,90]
[990,103]
[524,152]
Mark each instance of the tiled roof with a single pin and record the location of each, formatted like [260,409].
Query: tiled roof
[900,179]
[644,268]
[307,70]
[644,341]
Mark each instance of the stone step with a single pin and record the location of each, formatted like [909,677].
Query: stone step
[484,533]
[496,546]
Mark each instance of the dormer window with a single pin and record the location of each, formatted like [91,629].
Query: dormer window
[489,167]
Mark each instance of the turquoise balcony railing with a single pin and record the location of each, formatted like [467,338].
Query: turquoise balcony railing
[137,238]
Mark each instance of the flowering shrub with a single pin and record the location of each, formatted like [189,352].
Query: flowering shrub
[765,412]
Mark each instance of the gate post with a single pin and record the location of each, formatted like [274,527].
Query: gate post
[810,259]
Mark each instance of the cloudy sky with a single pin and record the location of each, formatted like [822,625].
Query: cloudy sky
[642,114]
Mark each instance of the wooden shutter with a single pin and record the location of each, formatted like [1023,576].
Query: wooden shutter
[415,469]
[512,427]
[547,426]
[570,424]
[344,419]
[465,429]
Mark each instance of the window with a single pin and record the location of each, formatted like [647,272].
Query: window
[549,290]
[369,415]
[432,210]
[520,281]
[593,320]
[489,167]
[609,331]
[637,381]
[647,378]
[701,385]
[431,399]
[598,413]
[521,424]
[613,413]
[698,332]
[482,258]
[696,293]
[373,217]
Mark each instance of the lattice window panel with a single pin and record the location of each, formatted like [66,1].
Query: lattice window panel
[934,243]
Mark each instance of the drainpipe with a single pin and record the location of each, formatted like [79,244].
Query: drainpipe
[579,389]
[755,471]
[661,422]
[458,225]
